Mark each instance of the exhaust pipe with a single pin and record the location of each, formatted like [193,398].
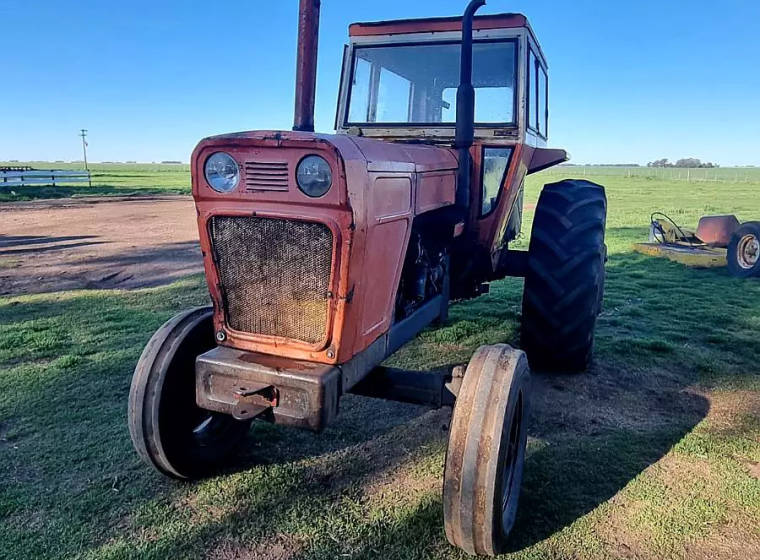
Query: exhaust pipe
[465,132]
[306,65]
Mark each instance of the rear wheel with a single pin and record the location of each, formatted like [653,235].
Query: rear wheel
[486,452]
[169,431]
[564,284]
[744,251]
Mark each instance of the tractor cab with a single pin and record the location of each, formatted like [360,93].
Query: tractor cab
[400,81]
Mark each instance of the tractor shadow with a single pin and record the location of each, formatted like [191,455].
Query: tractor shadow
[663,328]
[590,435]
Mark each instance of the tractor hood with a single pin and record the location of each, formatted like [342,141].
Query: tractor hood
[351,159]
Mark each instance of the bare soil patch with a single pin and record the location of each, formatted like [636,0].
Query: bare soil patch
[97,243]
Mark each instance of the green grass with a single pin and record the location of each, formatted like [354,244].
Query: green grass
[108,179]
[652,454]
[136,179]
[719,175]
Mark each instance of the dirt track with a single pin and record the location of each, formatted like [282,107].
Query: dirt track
[96,243]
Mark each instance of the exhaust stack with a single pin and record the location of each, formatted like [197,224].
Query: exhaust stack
[306,65]
[465,134]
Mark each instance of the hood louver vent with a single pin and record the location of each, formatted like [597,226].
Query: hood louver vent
[266,176]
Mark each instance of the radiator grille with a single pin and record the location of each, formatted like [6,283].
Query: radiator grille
[266,176]
[275,275]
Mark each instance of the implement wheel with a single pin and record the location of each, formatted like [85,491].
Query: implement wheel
[486,452]
[744,251]
[564,284]
[169,431]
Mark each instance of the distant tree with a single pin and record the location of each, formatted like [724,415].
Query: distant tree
[692,163]
[684,163]
[695,163]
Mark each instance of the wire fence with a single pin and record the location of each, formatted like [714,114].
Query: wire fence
[716,175]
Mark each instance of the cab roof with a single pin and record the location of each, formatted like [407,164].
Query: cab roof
[436,25]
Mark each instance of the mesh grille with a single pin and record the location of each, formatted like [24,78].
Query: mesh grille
[266,176]
[275,275]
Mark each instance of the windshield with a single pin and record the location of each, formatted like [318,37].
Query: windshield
[417,84]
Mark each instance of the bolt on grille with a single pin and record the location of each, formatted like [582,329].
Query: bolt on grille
[266,176]
[275,275]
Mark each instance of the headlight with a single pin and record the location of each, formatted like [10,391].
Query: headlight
[222,172]
[314,176]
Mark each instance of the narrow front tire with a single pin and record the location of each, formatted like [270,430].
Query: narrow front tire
[486,452]
[169,431]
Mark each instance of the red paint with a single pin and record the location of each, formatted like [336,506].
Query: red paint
[435,25]
[370,214]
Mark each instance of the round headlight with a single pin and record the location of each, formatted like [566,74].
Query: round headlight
[222,172]
[314,176]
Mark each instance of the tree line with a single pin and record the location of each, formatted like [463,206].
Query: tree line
[692,163]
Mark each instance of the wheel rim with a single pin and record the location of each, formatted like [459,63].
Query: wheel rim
[211,429]
[511,461]
[748,251]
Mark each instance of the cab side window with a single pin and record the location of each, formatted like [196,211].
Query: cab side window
[538,92]
[532,91]
[495,166]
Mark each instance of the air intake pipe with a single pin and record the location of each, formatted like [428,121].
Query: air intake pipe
[306,65]
[465,133]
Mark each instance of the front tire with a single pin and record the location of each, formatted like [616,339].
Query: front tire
[486,452]
[564,284]
[169,431]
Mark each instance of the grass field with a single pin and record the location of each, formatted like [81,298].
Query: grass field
[652,454]
[719,175]
[108,179]
[118,179]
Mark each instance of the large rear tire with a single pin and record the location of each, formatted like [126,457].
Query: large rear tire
[564,284]
[169,431]
[486,453]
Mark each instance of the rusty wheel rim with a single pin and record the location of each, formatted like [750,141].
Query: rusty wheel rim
[511,460]
[748,251]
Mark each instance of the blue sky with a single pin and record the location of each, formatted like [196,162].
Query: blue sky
[630,81]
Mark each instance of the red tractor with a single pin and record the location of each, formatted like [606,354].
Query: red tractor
[326,253]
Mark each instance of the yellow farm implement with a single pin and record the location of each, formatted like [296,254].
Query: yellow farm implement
[718,241]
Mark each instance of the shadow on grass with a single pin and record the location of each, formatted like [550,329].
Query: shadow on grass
[73,483]
[12,242]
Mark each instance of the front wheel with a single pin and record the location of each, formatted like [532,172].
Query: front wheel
[169,431]
[486,453]
[564,283]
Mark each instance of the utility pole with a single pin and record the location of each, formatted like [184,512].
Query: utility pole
[83,134]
